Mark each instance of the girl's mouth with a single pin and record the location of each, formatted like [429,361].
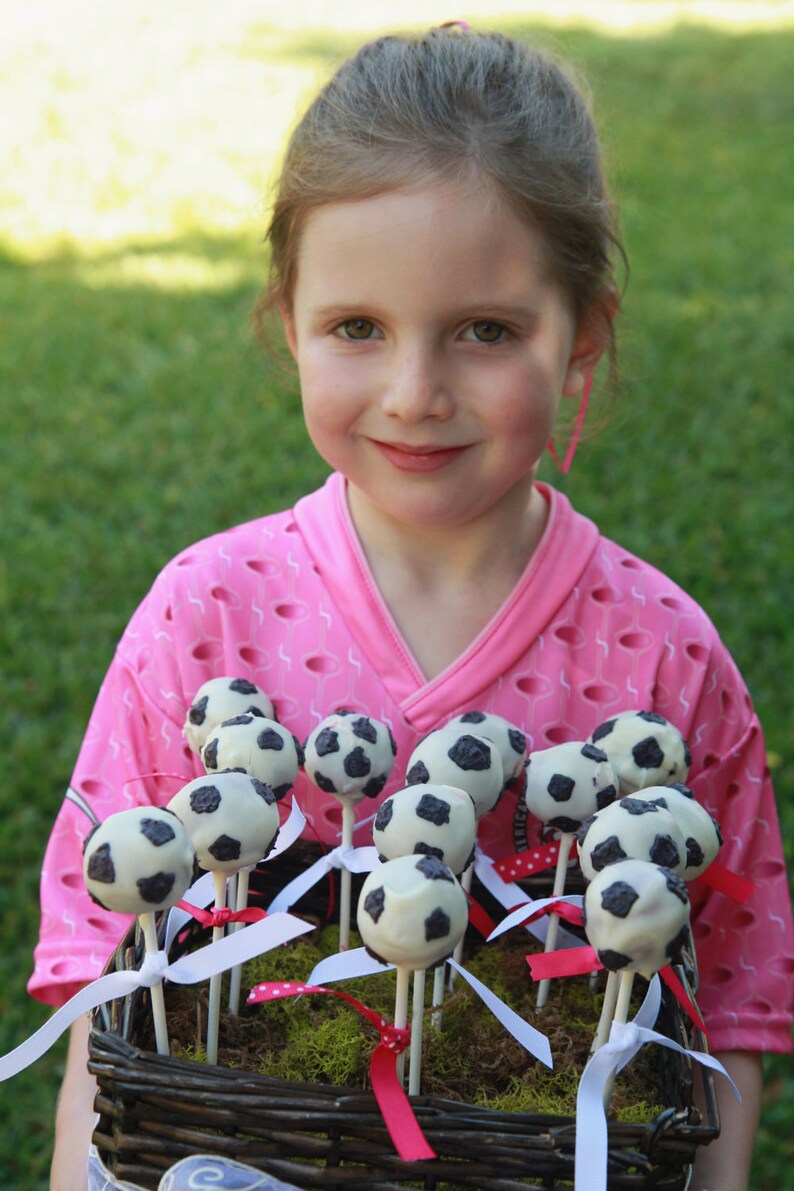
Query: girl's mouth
[418,459]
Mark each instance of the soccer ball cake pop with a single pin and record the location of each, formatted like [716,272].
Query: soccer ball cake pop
[510,742]
[220,699]
[631,829]
[451,756]
[568,783]
[231,818]
[350,756]
[645,750]
[636,916]
[429,819]
[258,746]
[138,861]
[702,838]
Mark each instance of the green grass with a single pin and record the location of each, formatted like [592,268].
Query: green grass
[138,414]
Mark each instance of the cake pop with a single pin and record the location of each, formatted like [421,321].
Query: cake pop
[645,750]
[220,699]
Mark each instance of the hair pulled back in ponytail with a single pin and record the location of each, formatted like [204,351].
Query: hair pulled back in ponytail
[460,108]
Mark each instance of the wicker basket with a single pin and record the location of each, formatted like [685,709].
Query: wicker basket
[155,1110]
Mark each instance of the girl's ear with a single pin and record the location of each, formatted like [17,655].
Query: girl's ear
[288,323]
[592,339]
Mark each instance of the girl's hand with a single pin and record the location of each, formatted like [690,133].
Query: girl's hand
[75,1116]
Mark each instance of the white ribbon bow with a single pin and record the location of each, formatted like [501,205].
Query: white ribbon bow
[625,1040]
[356,860]
[191,969]
[510,895]
[347,965]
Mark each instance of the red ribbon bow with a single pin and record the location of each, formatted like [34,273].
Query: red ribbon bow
[398,1116]
[218,918]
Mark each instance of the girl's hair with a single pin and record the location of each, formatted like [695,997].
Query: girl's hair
[456,107]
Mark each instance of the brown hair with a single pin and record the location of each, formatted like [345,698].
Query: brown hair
[452,105]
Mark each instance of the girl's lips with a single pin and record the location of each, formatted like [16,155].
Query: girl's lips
[418,459]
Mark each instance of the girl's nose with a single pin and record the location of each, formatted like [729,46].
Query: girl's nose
[416,387]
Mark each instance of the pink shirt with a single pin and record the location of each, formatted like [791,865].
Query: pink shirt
[288,601]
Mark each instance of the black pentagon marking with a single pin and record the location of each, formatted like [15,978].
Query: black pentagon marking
[256,713]
[472,854]
[323,783]
[718,831]
[205,799]
[583,830]
[281,791]
[209,754]
[613,961]
[421,849]
[470,754]
[437,925]
[664,851]
[434,869]
[100,866]
[518,741]
[651,717]
[357,763]
[157,832]
[157,888]
[676,946]
[648,753]
[264,791]
[638,806]
[607,852]
[374,786]
[603,730]
[364,729]
[677,885]
[694,853]
[565,824]
[605,797]
[661,802]
[682,789]
[238,721]
[299,750]
[433,810]
[198,712]
[618,898]
[326,741]
[344,711]
[561,787]
[384,815]
[687,755]
[374,902]
[392,743]
[269,738]
[417,775]
[241,686]
[593,754]
[225,848]
[472,717]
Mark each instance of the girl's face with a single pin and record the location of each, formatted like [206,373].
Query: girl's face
[433,349]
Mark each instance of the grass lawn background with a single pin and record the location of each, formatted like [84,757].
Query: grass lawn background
[137,412]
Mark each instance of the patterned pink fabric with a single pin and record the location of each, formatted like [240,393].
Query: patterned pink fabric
[288,601]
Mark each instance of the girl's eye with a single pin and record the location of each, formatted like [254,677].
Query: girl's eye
[485,331]
[356,328]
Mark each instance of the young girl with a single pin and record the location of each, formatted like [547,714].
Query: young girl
[442,261]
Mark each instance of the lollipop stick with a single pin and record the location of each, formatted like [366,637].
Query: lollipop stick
[625,984]
[348,819]
[438,995]
[417,1026]
[241,903]
[607,1012]
[566,839]
[156,990]
[401,1014]
[214,1014]
[457,954]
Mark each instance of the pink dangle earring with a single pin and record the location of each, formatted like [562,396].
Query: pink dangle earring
[573,443]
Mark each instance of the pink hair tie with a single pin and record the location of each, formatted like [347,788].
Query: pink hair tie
[565,466]
[460,24]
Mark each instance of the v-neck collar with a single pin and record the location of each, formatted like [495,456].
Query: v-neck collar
[561,556]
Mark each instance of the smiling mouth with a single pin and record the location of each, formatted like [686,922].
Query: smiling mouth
[418,459]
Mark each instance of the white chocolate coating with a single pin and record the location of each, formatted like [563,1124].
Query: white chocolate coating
[510,741]
[451,756]
[350,756]
[568,783]
[258,746]
[138,861]
[412,912]
[631,829]
[645,750]
[701,833]
[636,916]
[231,818]
[427,819]
[221,699]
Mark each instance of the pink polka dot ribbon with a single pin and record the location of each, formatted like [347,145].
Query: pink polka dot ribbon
[398,1116]
[533,860]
